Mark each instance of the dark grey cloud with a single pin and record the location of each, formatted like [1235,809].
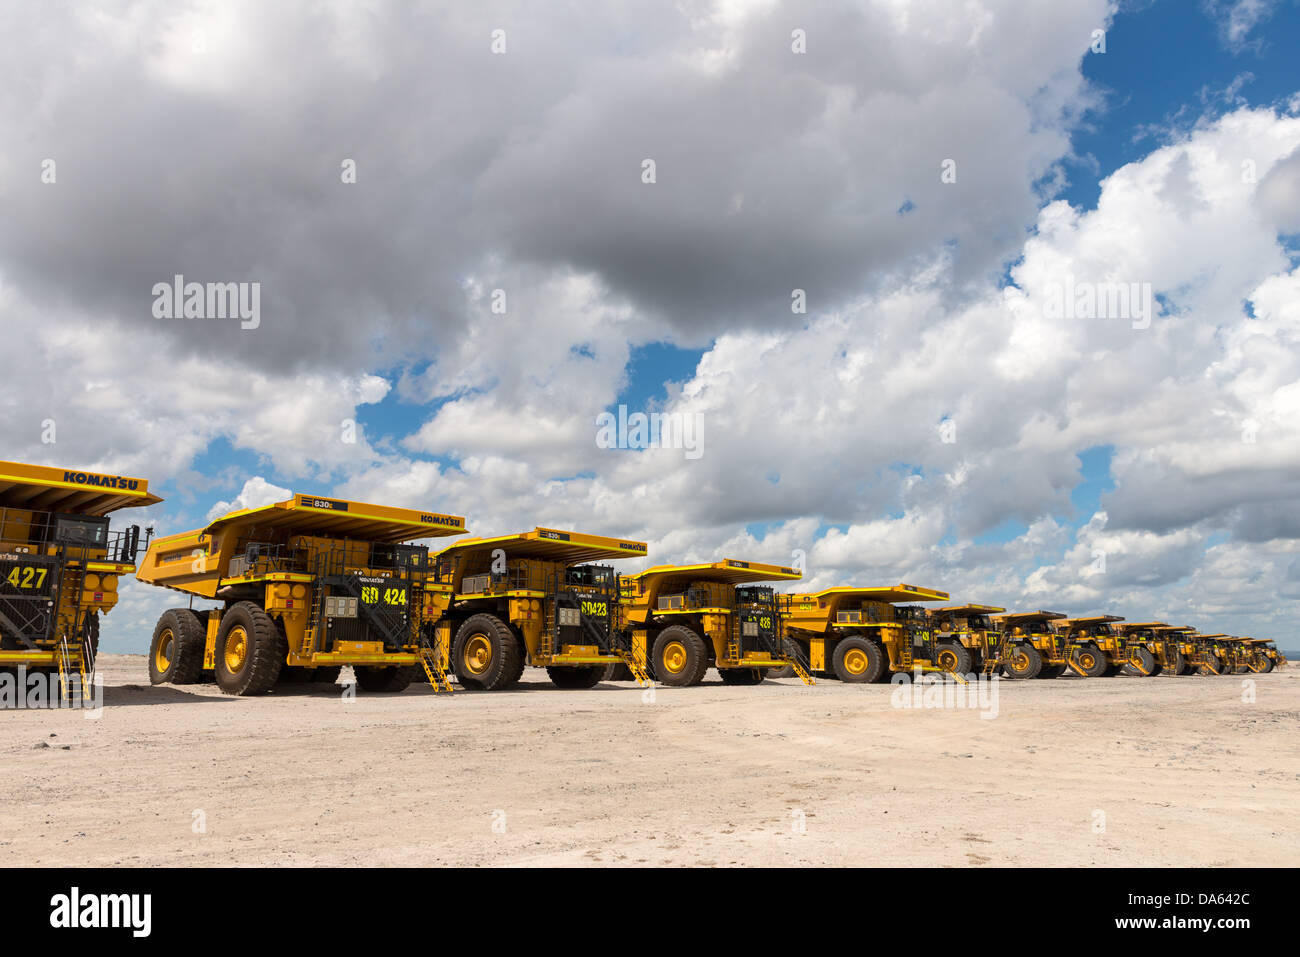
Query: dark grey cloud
[775,171]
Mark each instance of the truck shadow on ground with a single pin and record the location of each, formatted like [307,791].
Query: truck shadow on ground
[132,695]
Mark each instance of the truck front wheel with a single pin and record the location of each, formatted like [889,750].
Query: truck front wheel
[486,654]
[251,649]
[679,657]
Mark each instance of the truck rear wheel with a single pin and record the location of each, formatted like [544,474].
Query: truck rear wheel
[1024,662]
[857,660]
[577,676]
[1178,664]
[377,680]
[679,657]
[486,653]
[1050,671]
[1213,665]
[618,672]
[741,676]
[1090,660]
[251,649]
[953,657]
[1266,666]
[1142,664]
[176,651]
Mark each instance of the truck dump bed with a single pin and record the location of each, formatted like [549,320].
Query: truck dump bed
[527,555]
[816,611]
[197,562]
[40,488]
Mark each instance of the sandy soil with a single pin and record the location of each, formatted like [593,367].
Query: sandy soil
[1184,771]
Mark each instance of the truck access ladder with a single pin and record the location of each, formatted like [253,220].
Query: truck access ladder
[431,662]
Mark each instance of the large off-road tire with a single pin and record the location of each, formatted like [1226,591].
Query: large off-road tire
[741,676]
[680,658]
[1266,666]
[176,651]
[251,648]
[520,660]
[1178,664]
[486,654]
[857,660]
[1142,664]
[576,676]
[1051,671]
[1112,669]
[374,679]
[953,657]
[1090,660]
[619,672]
[1213,665]
[1025,662]
[791,649]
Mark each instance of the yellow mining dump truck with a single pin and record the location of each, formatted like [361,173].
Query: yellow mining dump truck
[60,564]
[307,585]
[682,619]
[535,598]
[1210,654]
[862,635]
[1099,650]
[1035,650]
[1262,655]
[1150,653]
[1179,648]
[968,638]
[1239,654]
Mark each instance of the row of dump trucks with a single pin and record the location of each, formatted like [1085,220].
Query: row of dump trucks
[309,585]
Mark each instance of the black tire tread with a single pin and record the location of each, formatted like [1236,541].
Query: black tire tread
[508,664]
[699,657]
[267,654]
[188,639]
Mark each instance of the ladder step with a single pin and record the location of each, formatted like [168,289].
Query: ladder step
[634,666]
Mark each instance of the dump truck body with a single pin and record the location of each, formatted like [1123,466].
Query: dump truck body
[1239,654]
[545,598]
[307,585]
[1099,649]
[862,635]
[1178,648]
[970,639]
[1149,650]
[684,619]
[1209,654]
[1261,655]
[61,562]
[1032,629]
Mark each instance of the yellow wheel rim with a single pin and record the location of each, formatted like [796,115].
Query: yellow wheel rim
[162,658]
[477,655]
[674,657]
[1087,661]
[856,661]
[236,652]
[947,661]
[1021,661]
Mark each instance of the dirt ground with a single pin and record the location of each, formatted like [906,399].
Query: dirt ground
[1120,771]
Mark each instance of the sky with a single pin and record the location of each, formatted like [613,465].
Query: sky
[994,297]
